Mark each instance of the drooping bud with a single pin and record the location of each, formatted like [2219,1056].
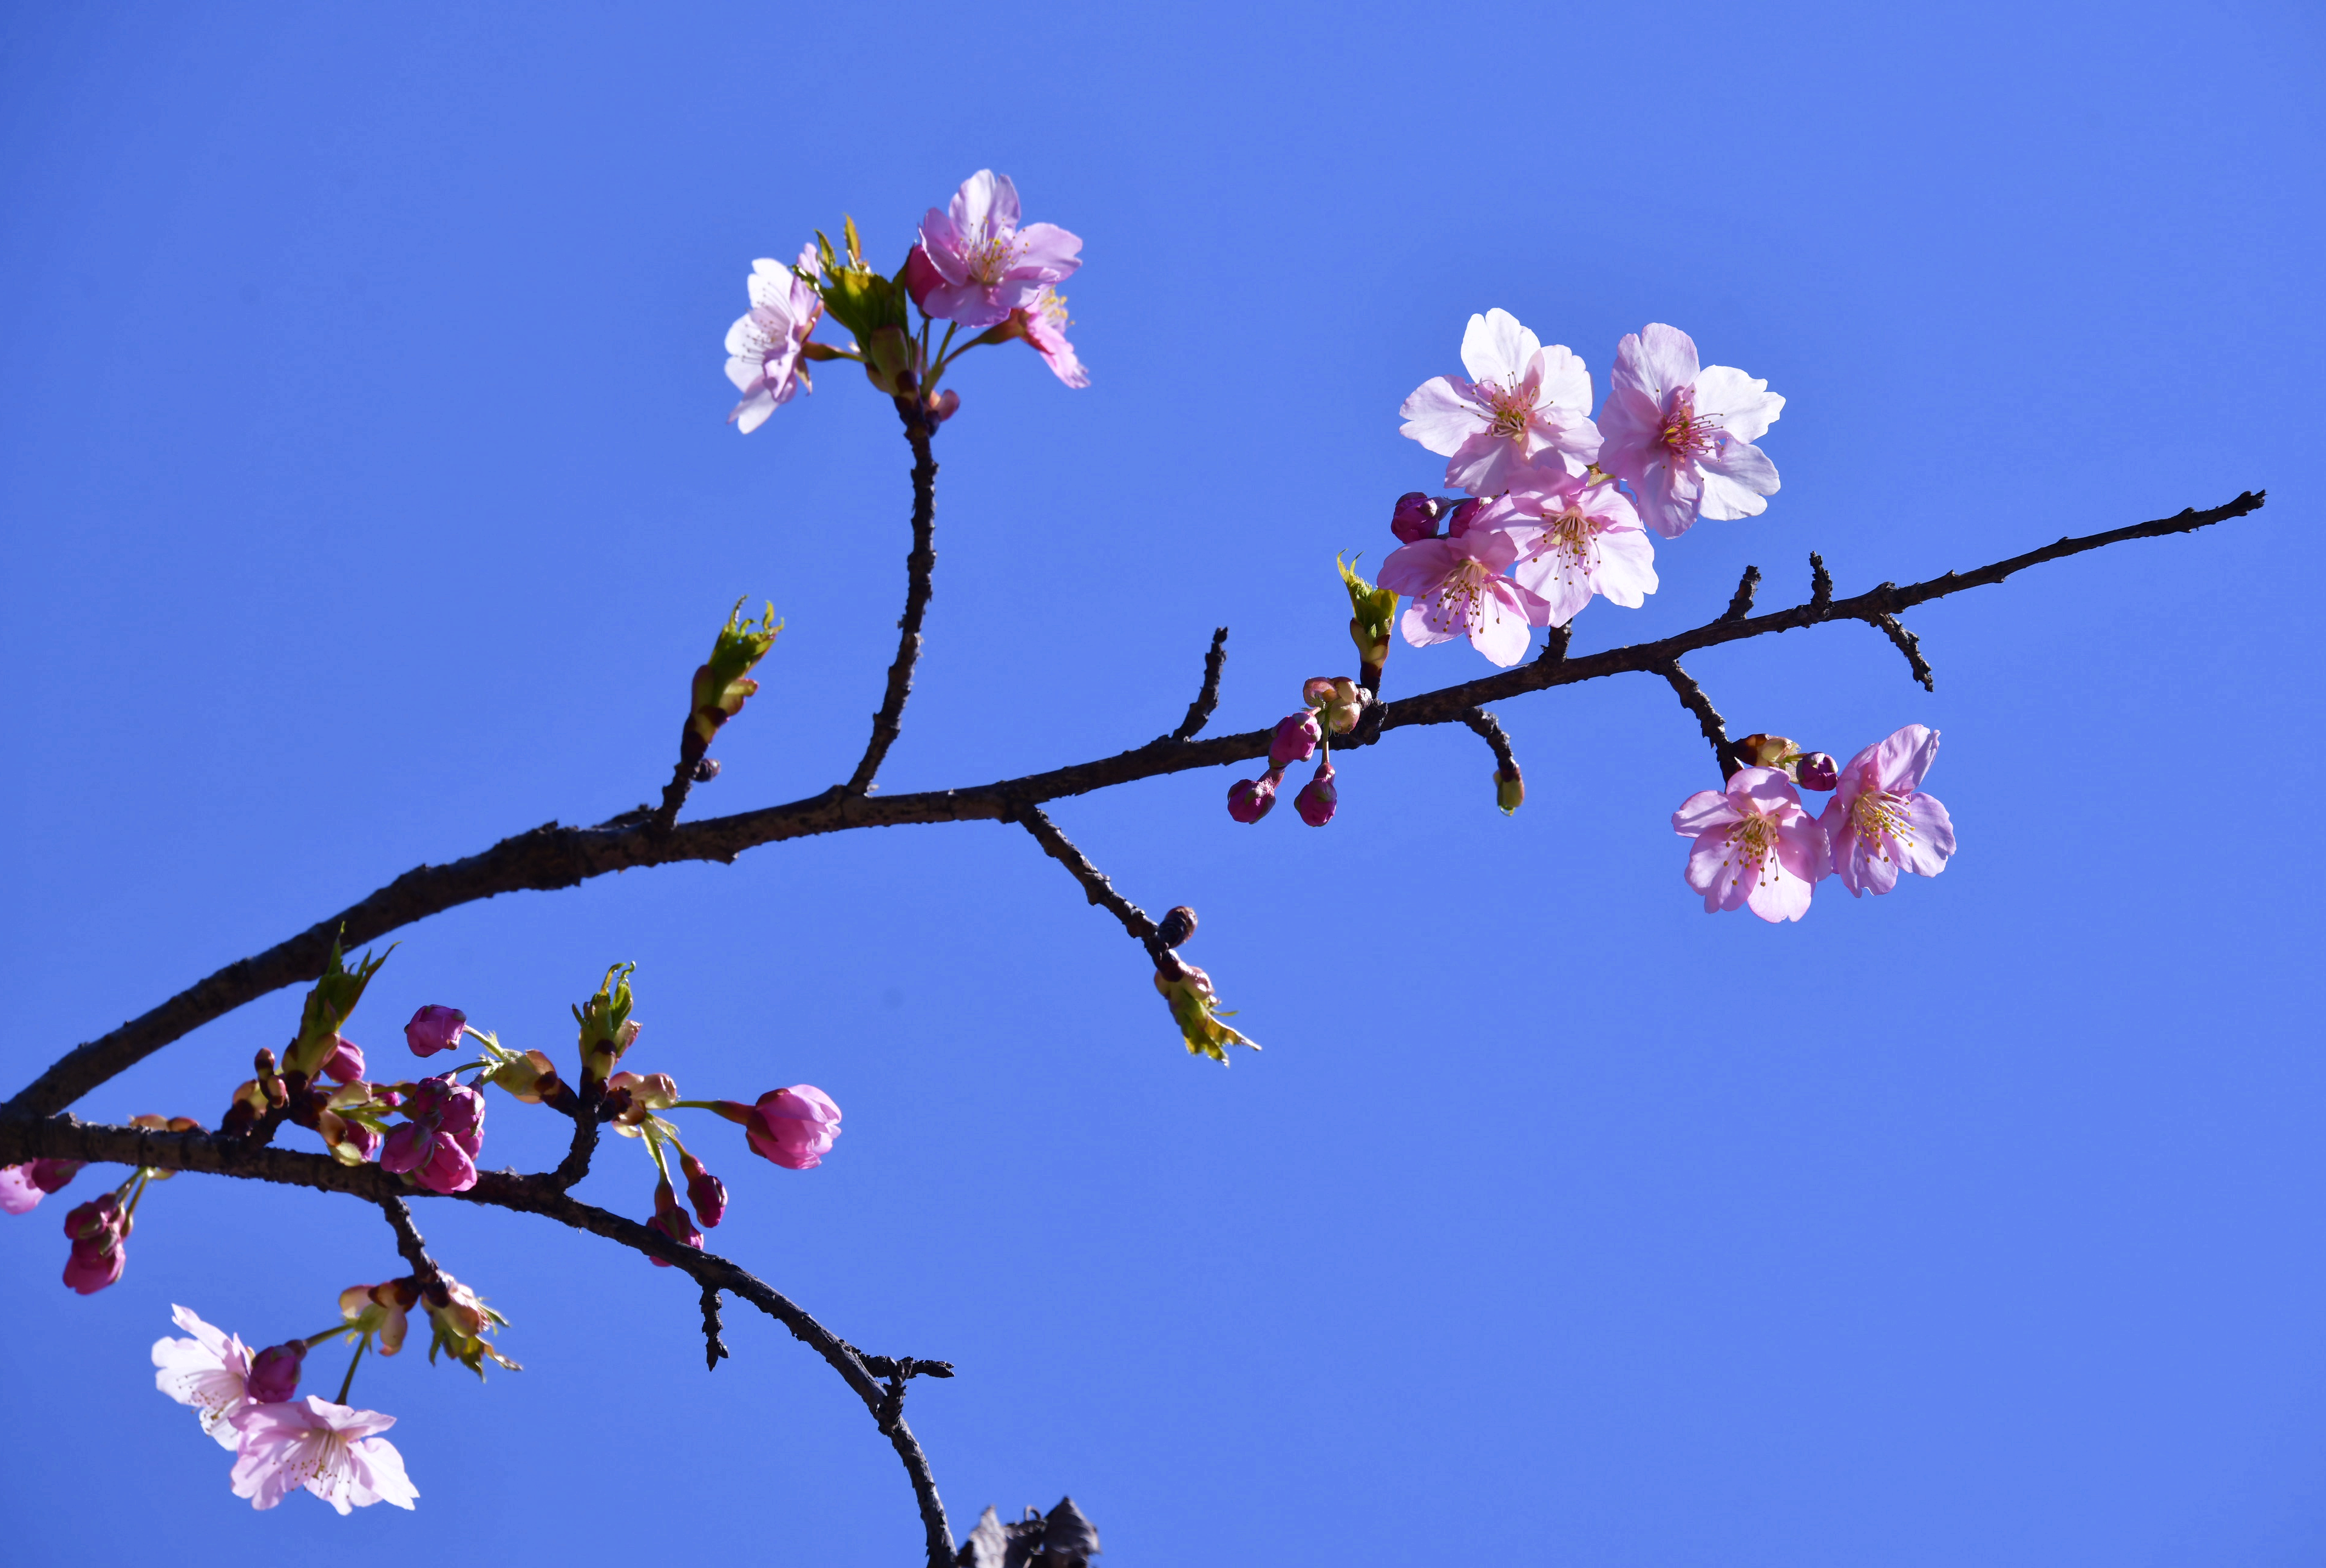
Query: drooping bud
[1415,517]
[381,1310]
[1346,706]
[639,1096]
[672,1221]
[945,405]
[50,1175]
[96,1229]
[531,1078]
[1319,798]
[1373,614]
[1196,1008]
[1464,513]
[794,1128]
[275,1372]
[1178,925]
[1765,750]
[345,1062]
[706,1191]
[1297,736]
[434,1029]
[608,1030]
[1251,799]
[1510,789]
[1816,771]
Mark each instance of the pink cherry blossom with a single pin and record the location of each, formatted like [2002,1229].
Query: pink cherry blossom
[1584,540]
[1754,845]
[1044,324]
[975,265]
[1682,436]
[19,1193]
[1296,739]
[345,1064]
[332,1450]
[763,346]
[1879,821]
[210,1372]
[794,1126]
[438,1146]
[99,1230]
[1525,410]
[434,1029]
[1459,589]
[274,1371]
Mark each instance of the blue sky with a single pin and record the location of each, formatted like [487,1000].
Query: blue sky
[366,498]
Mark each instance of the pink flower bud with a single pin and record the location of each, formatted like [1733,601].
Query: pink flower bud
[1251,799]
[48,1175]
[438,1146]
[1415,518]
[97,1229]
[90,1272]
[945,404]
[706,1191]
[672,1221]
[1458,521]
[1816,772]
[434,1029]
[796,1127]
[275,1372]
[1319,798]
[345,1064]
[1295,739]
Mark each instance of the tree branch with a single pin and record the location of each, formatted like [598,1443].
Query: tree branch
[920,566]
[1707,718]
[552,857]
[1099,889]
[408,1242]
[1200,711]
[1489,729]
[68,1137]
[1909,644]
[1741,604]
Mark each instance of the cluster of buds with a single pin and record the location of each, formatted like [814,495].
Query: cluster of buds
[1812,770]
[97,1229]
[1330,706]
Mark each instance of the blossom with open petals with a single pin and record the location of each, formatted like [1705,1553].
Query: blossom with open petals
[1524,412]
[438,1146]
[334,1452]
[975,265]
[1458,590]
[1044,324]
[22,1187]
[1755,848]
[1682,436]
[1880,822]
[763,346]
[1586,540]
[210,1372]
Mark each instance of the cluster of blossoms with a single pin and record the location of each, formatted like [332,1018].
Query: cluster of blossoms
[1556,500]
[1330,706]
[1756,847]
[974,266]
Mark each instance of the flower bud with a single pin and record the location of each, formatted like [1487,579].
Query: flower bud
[1319,798]
[1295,739]
[945,405]
[1765,750]
[1510,789]
[97,1228]
[1251,799]
[434,1029]
[891,361]
[1345,706]
[529,1077]
[1816,771]
[794,1128]
[706,1191]
[1464,513]
[608,1030]
[1178,925]
[1415,517]
[48,1175]
[1374,612]
[345,1062]
[275,1372]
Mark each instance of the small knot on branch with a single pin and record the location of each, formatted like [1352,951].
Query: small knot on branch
[1912,646]
[1741,604]
[1821,587]
[714,1348]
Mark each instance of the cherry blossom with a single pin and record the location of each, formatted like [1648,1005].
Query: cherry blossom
[210,1372]
[1458,590]
[763,346]
[1586,540]
[1755,848]
[1044,324]
[1879,821]
[332,1450]
[22,1187]
[795,1127]
[1524,411]
[345,1062]
[975,265]
[438,1146]
[1682,436]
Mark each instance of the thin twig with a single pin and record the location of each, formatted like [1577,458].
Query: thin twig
[1200,711]
[1707,718]
[1098,889]
[1909,644]
[714,1348]
[1741,604]
[425,1271]
[1821,587]
[1490,730]
[68,1137]
[552,857]
[920,568]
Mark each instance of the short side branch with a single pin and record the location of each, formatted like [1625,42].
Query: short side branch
[1909,644]
[1489,729]
[1200,711]
[1099,889]
[1707,718]
[1741,604]
[408,1242]
[920,568]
